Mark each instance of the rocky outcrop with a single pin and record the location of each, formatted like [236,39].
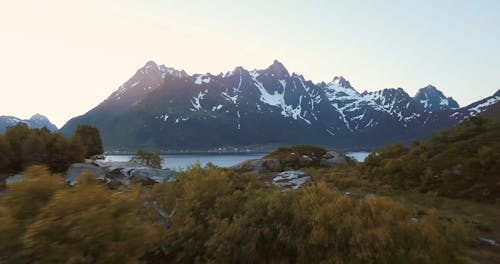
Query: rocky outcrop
[151,175]
[76,170]
[259,165]
[293,179]
[119,173]
[13,179]
[332,158]
[291,160]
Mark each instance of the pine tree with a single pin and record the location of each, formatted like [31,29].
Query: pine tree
[90,138]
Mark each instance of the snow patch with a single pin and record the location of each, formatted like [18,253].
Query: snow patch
[215,108]
[277,99]
[482,106]
[196,100]
[203,78]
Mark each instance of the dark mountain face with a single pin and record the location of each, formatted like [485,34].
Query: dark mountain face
[36,121]
[432,99]
[493,110]
[164,108]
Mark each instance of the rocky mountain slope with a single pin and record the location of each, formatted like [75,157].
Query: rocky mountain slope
[36,121]
[165,108]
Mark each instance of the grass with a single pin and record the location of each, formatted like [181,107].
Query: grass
[482,218]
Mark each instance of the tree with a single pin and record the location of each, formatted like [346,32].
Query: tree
[22,147]
[16,136]
[63,152]
[90,138]
[5,154]
[151,159]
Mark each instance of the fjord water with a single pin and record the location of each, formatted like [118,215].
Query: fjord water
[182,161]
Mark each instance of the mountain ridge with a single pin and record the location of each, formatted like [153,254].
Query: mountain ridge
[163,107]
[35,121]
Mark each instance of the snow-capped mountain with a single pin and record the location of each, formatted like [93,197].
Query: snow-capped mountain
[36,121]
[166,108]
[432,99]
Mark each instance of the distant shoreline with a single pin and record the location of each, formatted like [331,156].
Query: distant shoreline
[125,153]
[228,152]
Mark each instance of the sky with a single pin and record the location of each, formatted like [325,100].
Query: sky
[61,58]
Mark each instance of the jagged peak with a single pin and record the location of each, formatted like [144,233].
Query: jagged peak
[278,68]
[427,89]
[38,116]
[433,99]
[497,93]
[148,68]
[340,80]
[236,70]
[150,63]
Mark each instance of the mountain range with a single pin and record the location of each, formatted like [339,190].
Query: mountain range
[36,121]
[164,108]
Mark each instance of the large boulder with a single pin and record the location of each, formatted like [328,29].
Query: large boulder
[260,165]
[13,179]
[123,173]
[109,166]
[75,170]
[151,175]
[291,160]
[292,179]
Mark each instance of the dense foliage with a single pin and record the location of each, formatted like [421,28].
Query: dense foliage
[21,147]
[222,217]
[217,216]
[43,221]
[214,215]
[298,156]
[147,158]
[90,138]
[462,163]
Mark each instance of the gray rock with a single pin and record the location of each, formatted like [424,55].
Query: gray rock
[291,179]
[116,165]
[15,178]
[155,175]
[98,157]
[332,158]
[75,170]
[489,242]
[260,165]
[331,154]
[126,172]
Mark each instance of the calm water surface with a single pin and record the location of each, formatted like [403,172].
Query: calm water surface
[358,155]
[182,161]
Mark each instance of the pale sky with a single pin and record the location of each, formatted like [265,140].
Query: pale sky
[61,58]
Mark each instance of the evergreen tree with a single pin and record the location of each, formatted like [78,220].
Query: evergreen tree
[22,147]
[151,159]
[5,155]
[16,136]
[90,138]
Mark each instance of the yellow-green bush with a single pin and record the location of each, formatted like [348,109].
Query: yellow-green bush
[44,221]
[460,163]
